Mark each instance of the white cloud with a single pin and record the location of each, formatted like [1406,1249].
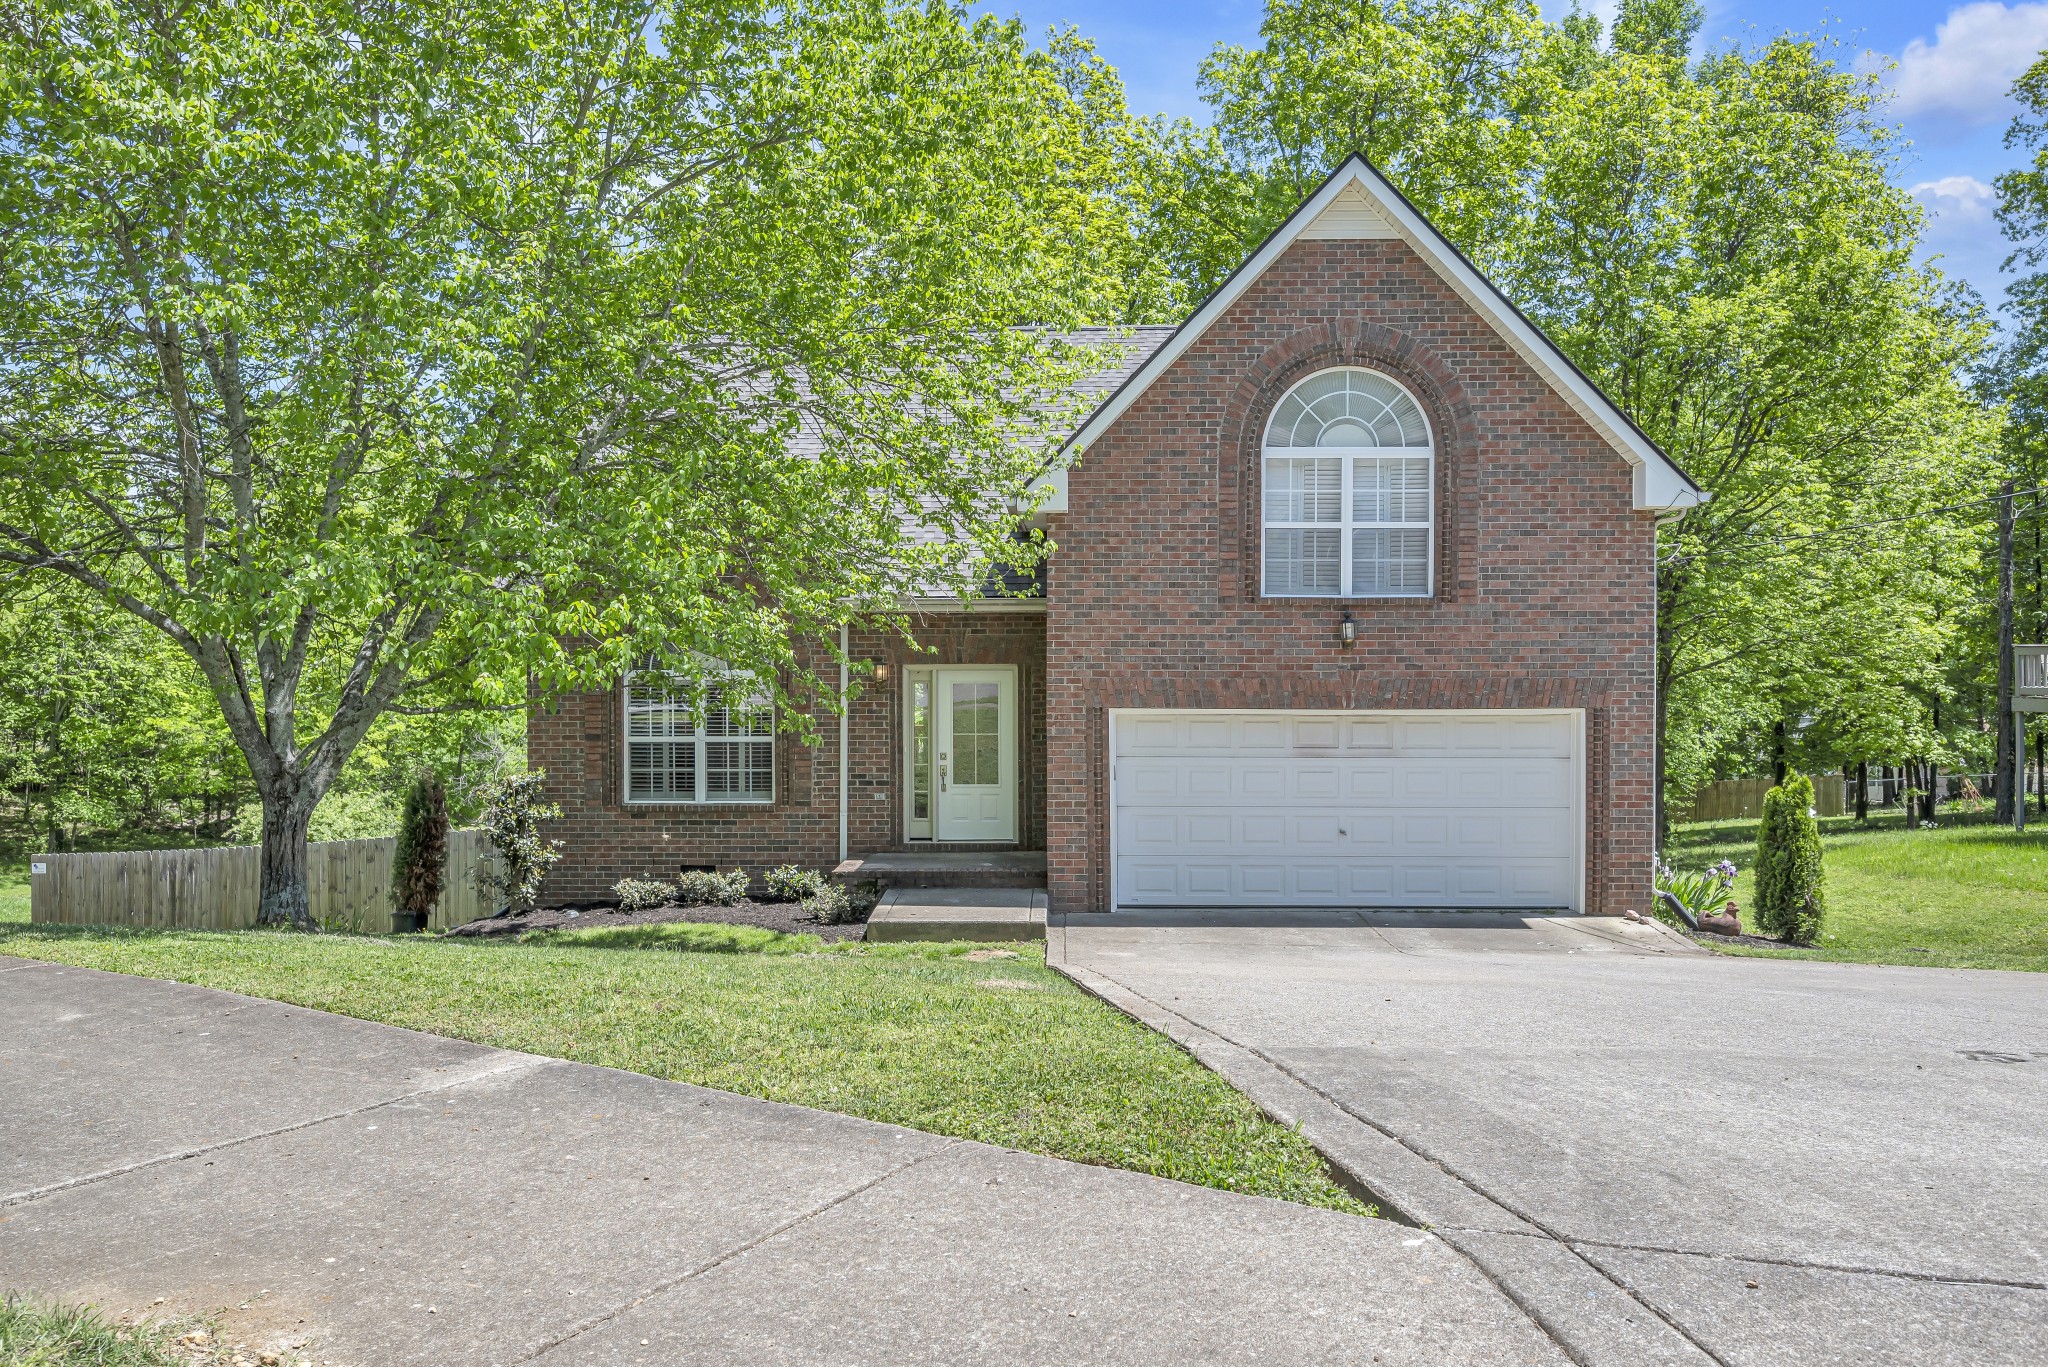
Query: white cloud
[1976,55]
[1957,201]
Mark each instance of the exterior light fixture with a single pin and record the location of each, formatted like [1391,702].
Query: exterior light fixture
[1347,631]
[882,672]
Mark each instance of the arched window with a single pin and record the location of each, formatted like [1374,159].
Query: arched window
[1349,490]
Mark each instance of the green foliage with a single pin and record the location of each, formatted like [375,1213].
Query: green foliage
[788,883]
[1790,901]
[1963,896]
[1726,247]
[408,357]
[105,726]
[1702,892]
[709,888]
[35,1333]
[638,894]
[831,905]
[514,807]
[419,865]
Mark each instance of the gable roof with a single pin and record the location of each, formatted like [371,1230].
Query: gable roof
[1356,201]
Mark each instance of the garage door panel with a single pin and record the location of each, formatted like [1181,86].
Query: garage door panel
[1346,809]
[1422,831]
[1369,782]
[1480,834]
[1344,882]
[1246,832]
[1362,733]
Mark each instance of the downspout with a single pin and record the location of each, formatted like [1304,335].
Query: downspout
[844,853]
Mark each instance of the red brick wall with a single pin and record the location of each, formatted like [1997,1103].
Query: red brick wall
[579,743]
[1545,582]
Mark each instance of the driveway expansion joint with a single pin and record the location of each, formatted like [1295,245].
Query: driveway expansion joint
[738,1250]
[1190,1035]
[1766,1260]
[508,1063]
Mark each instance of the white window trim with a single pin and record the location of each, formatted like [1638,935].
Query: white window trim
[698,740]
[1346,455]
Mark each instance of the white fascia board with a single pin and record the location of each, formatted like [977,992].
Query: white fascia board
[1658,483]
[1049,490]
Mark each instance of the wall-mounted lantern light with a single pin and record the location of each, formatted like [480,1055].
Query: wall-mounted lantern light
[882,672]
[1347,631]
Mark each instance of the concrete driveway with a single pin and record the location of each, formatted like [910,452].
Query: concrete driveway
[1663,1154]
[389,1197]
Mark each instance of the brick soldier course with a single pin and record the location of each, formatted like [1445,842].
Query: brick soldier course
[1544,593]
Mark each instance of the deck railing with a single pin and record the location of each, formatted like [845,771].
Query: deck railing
[2030,670]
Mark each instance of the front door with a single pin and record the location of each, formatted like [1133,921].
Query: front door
[974,754]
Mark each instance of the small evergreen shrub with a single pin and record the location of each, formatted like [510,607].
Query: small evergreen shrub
[831,906]
[1789,899]
[514,807]
[789,883]
[419,868]
[701,888]
[638,894]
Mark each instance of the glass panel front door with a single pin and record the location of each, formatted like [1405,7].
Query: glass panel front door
[975,768]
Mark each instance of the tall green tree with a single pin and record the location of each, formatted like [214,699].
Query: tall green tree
[388,357]
[1724,245]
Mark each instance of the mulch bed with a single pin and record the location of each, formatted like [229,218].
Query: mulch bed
[788,917]
[1756,941]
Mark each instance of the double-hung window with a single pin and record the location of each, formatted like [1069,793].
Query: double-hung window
[1349,490]
[690,742]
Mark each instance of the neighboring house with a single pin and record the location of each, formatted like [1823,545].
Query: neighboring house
[1354,605]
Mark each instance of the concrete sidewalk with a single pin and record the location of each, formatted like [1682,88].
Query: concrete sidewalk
[1664,1155]
[391,1197]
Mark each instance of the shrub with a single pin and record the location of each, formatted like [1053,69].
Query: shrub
[513,811]
[1789,900]
[419,867]
[792,884]
[831,906]
[702,888]
[638,894]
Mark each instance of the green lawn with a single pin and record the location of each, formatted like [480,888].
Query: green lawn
[1001,1050]
[1961,896]
[36,1333]
[14,893]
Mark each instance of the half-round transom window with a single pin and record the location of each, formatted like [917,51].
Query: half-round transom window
[1349,490]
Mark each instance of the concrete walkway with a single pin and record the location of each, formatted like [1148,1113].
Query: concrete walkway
[1663,1154]
[391,1197]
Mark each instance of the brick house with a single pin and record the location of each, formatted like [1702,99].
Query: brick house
[1353,605]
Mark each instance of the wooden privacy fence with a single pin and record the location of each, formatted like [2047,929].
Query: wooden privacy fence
[348,886]
[1741,797]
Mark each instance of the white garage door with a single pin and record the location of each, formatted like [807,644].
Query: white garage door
[1347,809]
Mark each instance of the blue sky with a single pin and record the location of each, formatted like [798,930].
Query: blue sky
[1955,62]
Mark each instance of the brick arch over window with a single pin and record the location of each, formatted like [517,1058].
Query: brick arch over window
[1347,342]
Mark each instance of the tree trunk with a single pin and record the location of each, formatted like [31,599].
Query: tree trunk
[1862,791]
[1778,753]
[283,900]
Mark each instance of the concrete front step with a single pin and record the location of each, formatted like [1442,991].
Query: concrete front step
[958,914]
[947,869]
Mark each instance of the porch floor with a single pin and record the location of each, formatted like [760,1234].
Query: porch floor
[947,869]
